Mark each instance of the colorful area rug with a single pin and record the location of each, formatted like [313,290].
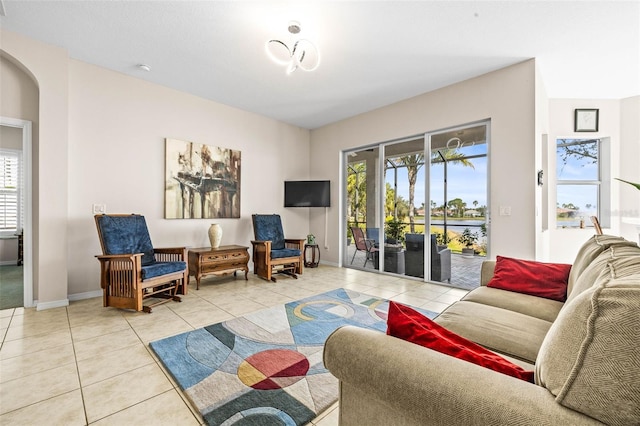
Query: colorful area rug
[266,368]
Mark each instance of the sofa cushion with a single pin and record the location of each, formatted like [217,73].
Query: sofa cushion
[590,359]
[537,307]
[408,324]
[589,251]
[547,280]
[615,254]
[507,332]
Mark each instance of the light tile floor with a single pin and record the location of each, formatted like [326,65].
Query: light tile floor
[85,364]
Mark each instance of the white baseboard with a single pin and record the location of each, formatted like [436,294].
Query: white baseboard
[53,304]
[65,302]
[86,295]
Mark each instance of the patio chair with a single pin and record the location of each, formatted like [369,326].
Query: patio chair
[272,252]
[414,259]
[440,262]
[132,270]
[363,244]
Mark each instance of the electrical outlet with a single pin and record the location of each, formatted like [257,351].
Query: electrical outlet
[99,208]
[505,210]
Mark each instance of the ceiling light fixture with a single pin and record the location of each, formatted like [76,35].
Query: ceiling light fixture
[144,67]
[303,54]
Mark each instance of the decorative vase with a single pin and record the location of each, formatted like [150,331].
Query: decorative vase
[215,235]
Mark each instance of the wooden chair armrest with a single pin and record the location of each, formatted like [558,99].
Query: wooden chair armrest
[170,250]
[260,242]
[299,243]
[170,254]
[118,256]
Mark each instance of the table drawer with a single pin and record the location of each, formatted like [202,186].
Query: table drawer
[217,267]
[226,258]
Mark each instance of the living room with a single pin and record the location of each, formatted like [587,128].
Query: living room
[99,138]
[135,117]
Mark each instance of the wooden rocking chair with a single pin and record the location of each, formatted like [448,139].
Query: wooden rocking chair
[272,253]
[131,269]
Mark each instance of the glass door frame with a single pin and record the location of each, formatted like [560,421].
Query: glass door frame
[383,148]
[429,136]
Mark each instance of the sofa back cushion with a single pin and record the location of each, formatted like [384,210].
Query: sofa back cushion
[408,324]
[589,251]
[589,359]
[615,253]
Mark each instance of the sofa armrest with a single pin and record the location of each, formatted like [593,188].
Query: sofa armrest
[486,271]
[425,387]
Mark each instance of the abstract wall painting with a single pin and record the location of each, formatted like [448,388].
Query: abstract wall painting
[201,181]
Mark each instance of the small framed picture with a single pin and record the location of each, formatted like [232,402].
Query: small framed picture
[586,120]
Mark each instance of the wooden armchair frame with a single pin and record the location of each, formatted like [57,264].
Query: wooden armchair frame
[266,267]
[122,283]
[265,264]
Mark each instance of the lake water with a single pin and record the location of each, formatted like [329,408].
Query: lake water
[460,225]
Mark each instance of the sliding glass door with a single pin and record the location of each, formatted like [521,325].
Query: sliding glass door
[458,204]
[404,207]
[362,219]
[417,207]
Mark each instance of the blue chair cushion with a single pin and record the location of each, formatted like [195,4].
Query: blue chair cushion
[126,235]
[162,268]
[279,254]
[268,227]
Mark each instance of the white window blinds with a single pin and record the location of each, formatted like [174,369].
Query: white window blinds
[10,191]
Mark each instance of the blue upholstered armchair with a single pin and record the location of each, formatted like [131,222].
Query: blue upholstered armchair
[272,252]
[131,269]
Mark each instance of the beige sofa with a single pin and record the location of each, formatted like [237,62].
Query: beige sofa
[585,354]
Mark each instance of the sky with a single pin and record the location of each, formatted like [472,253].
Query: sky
[466,183]
[583,196]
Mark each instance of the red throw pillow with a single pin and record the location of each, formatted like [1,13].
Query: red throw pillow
[408,324]
[548,280]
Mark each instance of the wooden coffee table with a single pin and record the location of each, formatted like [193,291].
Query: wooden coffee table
[218,261]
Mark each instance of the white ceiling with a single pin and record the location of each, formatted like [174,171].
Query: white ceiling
[374,53]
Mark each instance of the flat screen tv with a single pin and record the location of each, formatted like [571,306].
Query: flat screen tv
[307,193]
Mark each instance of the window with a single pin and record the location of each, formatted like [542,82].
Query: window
[579,172]
[10,191]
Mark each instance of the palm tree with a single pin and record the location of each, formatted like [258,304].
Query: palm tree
[413,163]
[357,190]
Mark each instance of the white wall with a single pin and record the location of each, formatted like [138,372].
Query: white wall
[541,163]
[47,66]
[117,131]
[617,122]
[629,170]
[506,96]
